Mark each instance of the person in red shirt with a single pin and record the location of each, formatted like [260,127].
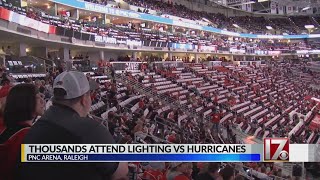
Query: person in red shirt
[216,116]
[206,94]
[154,171]
[141,104]
[143,67]
[232,101]
[172,137]
[265,119]
[153,175]
[226,81]
[318,107]
[216,99]
[4,91]
[180,171]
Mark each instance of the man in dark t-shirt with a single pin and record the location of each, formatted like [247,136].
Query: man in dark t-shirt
[67,122]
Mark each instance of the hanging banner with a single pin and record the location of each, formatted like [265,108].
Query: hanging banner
[280,9]
[249,7]
[231,2]
[25,21]
[207,48]
[273,6]
[244,6]
[310,11]
[289,10]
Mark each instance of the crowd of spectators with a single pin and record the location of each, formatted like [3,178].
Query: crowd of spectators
[251,24]
[140,120]
[301,21]
[255,25]
[153,37]
[132,116]
[284,25]
[101,2]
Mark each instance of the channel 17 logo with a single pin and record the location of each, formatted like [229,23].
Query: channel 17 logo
[276,149]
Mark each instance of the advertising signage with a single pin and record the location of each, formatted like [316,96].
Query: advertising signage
[110,40]
[26,21]
[184,46]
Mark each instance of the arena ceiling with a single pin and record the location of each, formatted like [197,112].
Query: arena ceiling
[263,6]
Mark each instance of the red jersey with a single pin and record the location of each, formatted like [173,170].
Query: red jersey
[153,175]
[216,117]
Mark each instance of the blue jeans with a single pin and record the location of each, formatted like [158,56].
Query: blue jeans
[215,127]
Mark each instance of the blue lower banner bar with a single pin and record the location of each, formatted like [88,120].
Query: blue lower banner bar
[144,157]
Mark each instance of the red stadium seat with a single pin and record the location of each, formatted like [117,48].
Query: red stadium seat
[9,152]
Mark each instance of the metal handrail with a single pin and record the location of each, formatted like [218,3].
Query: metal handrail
[151,136]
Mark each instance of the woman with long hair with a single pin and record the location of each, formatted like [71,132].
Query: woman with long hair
[23,105]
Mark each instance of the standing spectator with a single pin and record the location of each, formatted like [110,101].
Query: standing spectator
[37,83]
[112,71]
[141,103]
[216,121]
[48,89]
[9,51]
[67,122]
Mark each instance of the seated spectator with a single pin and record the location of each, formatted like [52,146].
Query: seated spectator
[259,175]
[239,177]
[227,173]
[179,171]
[4,91]
[154,171]
[67,122]
[297,171]
[23,104]
[172,137]
[210,173]
[5,80]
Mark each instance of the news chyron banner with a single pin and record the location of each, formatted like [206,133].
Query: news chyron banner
[273,150]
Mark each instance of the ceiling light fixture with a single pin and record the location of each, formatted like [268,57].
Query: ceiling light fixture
[306,8]
[269,27]
[235,25]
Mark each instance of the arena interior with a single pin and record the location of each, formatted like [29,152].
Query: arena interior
[166,72]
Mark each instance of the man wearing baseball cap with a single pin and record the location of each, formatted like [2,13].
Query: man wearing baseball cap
[67,122]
